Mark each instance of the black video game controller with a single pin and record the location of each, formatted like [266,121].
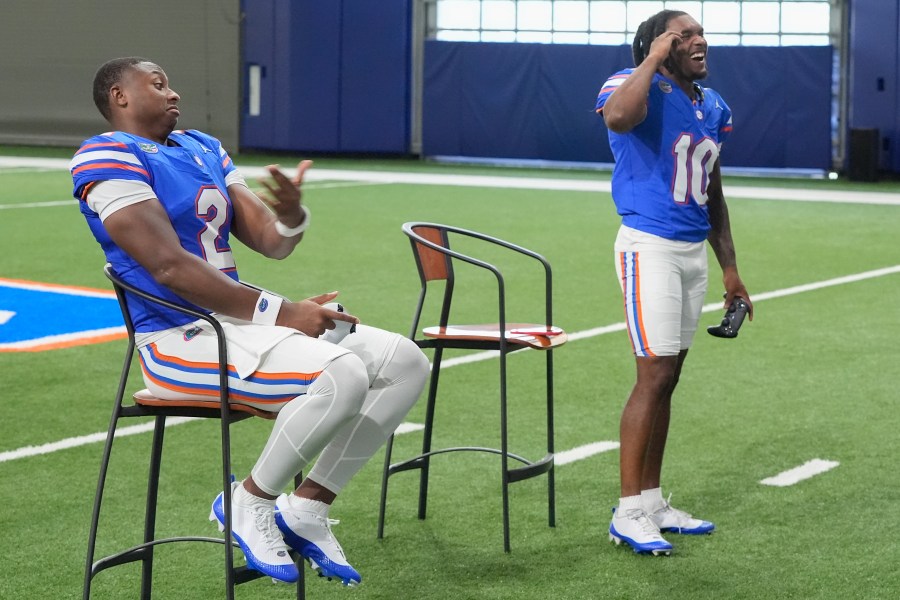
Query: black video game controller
[732,320]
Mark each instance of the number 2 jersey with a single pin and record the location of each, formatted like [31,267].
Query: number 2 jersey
[660,178]
[190,179]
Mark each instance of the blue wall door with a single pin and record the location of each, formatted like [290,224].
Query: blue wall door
[332,76]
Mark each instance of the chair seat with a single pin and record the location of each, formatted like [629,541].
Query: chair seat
[524,334]
[145,398]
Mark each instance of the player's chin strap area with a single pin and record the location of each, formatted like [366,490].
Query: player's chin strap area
[698,89]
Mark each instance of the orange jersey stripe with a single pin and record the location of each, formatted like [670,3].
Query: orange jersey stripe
[101,145]
[215,366]
[637,306]
[110,165]
[232,394]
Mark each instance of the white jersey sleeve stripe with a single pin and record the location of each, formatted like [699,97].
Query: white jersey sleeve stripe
[84,157]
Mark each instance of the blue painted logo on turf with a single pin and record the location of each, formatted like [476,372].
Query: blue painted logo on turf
[38,316]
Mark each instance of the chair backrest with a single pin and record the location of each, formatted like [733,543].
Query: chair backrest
[430,246]
[434,260]
[433,265]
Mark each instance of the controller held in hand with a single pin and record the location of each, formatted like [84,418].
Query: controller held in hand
[341,328]
[732,320]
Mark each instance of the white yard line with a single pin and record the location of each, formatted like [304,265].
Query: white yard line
[98,437]
[83,440]
[313,186]
[581,452]
[713,307]
[408,427]
[810,468]
[48,204]
[537,183]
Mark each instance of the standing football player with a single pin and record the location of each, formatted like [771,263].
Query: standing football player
[665,131]
[163,204]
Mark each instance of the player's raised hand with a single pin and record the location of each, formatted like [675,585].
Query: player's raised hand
[662,46]
[302,166]
[283,194]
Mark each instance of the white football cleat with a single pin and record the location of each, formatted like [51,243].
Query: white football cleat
[255,531]
[309,534]
[670,519]
[636,529]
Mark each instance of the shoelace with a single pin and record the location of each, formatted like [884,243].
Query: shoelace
[644,522]
[265,524]
[679,514]
[326,524]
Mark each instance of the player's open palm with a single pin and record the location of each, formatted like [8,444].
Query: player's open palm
[283,194]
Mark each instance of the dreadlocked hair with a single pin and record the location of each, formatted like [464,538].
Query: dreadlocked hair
[648,31]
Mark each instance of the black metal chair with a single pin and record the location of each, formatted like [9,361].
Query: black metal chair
[144,405]
[435,259]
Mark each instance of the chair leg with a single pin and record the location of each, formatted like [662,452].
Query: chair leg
[226,507]
[551,475]
[504,449]
[159,430]
[429,427]
[98,501]
[301,582]
[385,474]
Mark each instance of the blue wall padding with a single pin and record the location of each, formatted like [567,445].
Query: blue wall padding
[336,75]
[535,101]
[375,64]
[875,74]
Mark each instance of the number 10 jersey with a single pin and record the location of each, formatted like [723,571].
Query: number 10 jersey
[663,164]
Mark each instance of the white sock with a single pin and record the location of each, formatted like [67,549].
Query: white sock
[308,505]
[627,503]
[244,498]
[652,500]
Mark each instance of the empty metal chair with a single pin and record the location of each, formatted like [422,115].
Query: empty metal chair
[435,261]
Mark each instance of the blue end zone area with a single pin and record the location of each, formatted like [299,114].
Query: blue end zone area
[36,316]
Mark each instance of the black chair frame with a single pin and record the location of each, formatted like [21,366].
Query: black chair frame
[421,462]
[222,410]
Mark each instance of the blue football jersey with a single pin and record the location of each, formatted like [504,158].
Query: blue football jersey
[188,179]
[663,165]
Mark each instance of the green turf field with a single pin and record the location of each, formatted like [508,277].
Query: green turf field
[815,376]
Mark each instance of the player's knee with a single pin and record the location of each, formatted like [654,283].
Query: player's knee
[658,373]
[351,382]
[411,361]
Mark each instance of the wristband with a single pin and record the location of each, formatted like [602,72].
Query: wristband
[267,307]
[285,231]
